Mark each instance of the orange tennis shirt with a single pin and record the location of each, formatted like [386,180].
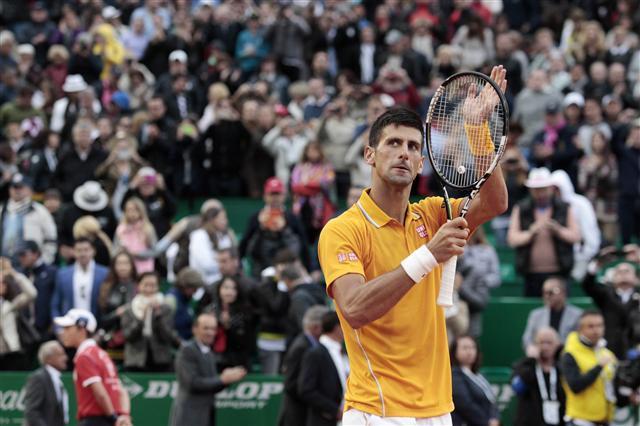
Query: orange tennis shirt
[399,362]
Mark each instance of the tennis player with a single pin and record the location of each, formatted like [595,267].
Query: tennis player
[380,260]
[102,401]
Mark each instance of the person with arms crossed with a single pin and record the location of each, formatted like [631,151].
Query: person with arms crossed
[102,401]
[395,334]
[46,402]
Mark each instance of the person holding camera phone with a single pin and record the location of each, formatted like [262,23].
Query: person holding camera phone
[122,163]
[149,186]
[271,229]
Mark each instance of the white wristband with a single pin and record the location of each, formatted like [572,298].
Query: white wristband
[419,263]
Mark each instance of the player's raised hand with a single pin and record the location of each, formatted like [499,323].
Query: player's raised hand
[449,240]
[477,107]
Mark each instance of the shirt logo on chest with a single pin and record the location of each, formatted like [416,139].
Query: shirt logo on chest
[422,231]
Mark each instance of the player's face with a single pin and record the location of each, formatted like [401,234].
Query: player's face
[397,159]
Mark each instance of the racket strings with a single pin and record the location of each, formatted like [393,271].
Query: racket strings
[460,161]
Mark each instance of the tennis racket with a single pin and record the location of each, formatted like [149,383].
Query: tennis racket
[466,131]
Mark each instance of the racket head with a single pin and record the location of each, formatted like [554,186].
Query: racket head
[447,144]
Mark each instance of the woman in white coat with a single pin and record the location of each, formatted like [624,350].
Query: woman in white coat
[16,292]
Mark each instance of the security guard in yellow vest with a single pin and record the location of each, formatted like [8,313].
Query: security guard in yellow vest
[588,369]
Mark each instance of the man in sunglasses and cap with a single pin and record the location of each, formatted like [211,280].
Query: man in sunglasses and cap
[102,401]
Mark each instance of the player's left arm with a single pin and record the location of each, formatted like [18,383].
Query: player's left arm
[491,201]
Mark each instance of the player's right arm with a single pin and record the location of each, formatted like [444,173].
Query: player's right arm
[362,302]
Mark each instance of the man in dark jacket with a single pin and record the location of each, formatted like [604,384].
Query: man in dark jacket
[293,411]
[323,374]
[616,302]
[536,383]
[198,380]
[553,147]
[79,164]
[157,136]
[626,147]
[43,277]
[303,294]
[46,401]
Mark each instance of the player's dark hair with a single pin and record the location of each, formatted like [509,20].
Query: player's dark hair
[398,116]
[329,321]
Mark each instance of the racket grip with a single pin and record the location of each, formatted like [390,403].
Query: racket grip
[445,297]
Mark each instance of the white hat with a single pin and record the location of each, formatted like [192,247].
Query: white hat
[90,197]
[74,83]
[573,98]
[80,317]
[110,12]
[178,55]
[539,178]
[393,37]
[147,171]
[26,49]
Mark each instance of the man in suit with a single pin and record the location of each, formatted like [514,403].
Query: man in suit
[198,381]
[46,402]
[43,277]
[78,285]
[323,375]
[555,313]
[293,411]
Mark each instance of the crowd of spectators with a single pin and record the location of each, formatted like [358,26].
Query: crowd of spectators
[112,111]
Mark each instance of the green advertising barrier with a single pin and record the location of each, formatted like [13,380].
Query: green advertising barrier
[253,402]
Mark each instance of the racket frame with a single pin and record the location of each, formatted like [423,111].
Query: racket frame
[445,296]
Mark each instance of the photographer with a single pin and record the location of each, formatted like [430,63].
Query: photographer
[616,302]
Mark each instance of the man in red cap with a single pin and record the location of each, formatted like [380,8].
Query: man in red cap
[273,228]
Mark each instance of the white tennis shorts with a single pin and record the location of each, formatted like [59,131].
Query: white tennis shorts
[358,418]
